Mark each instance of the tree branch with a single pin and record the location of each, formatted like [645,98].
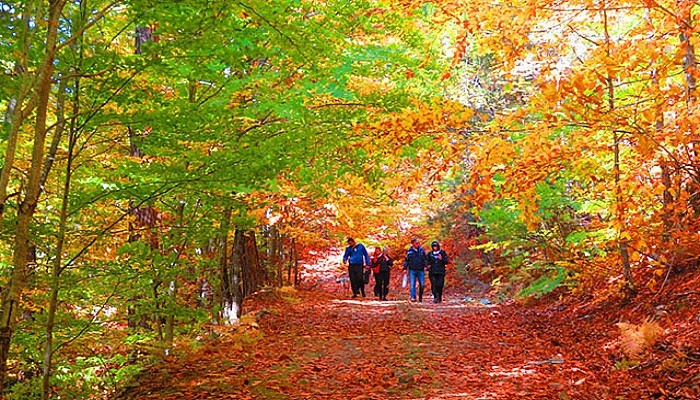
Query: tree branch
[266,21]
[85,27]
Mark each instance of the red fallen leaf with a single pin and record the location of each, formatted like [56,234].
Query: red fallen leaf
[445,76]
[410,74]
[360,350]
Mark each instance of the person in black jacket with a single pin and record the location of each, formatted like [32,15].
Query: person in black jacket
[415,263]
[381,265]
[437,259]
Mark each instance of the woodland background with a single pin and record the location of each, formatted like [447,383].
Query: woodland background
[164,160]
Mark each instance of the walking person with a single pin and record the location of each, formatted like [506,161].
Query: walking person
[416,264]
[437,259]
[381,265]
[375,269]
[357,258]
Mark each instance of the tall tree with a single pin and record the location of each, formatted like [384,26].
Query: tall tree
[11,295]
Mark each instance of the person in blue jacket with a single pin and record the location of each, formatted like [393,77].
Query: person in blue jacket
[416,264]
[437,259]
[357,258]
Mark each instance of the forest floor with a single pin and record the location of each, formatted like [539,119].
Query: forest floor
[324,345]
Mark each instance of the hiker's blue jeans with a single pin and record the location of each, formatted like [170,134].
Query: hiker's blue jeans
[414,274]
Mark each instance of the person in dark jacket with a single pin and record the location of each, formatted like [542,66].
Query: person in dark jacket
[375,269]
[381,265]
[357,258]
[437,259]
[416,264]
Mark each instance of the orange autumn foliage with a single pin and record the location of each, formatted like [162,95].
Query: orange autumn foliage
[609,110]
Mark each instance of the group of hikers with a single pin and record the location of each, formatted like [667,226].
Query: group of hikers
[417,261]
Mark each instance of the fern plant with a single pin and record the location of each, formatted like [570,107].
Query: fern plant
[636,339]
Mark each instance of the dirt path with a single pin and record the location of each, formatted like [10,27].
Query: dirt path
[320,346]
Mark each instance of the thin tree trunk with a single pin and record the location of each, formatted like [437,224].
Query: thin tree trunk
[689,60]
[275,245]
[229,311]
[667,202]
[16,113]
[251,271]
[233,300]
[295,261]
[280,257]
[58,133]
[17,119]
[290,263]
[158,320]
[689,69]
[170,317]
[27,207]
[135,151]
[619,203]
[56,269]
[665,171]
[222,293]
[172,286]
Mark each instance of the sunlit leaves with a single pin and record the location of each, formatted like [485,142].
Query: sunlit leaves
[586,73]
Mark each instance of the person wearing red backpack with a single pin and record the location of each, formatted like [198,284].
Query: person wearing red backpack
[381,265]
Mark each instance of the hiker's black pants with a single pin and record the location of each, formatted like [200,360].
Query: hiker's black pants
[381,284]
[437,283]
[357,281]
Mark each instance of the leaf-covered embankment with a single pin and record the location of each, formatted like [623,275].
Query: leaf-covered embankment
[320,345]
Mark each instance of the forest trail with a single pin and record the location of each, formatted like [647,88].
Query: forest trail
[313,345]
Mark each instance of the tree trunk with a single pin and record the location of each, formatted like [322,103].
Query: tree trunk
[252,273]
[16,113]
[241,274]
[133,319]
[172,285]
[667,202]
[665,171]
[281,258]
[9,159]
[265,243]
[294,260]
[290,264]
[689,69]
[233,297]
[58,133]
[221,292]
[619,203]
[275,251]
[170,317]
[689,60]
[56,268]
[27,207]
